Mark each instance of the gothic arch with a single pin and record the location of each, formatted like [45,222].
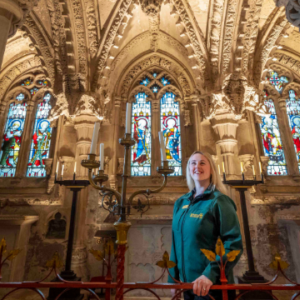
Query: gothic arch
[135,69]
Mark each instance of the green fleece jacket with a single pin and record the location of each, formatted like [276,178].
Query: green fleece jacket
[197,224]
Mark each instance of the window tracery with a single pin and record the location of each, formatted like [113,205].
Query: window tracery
[277,81]
[19,96]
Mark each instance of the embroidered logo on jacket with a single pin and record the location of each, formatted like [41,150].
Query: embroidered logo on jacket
[185,206]
[198,216]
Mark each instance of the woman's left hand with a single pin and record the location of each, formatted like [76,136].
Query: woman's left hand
[201,286]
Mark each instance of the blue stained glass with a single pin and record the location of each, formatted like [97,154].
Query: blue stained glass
[277,81]
[164,81]
[272,143]
[20,97]
[12,139]
[26,82]
[34,91]
[155,88]
[145,82]
[170,126]
[43,82]
[293,112]
[41,140]
[141,133]
[154,75]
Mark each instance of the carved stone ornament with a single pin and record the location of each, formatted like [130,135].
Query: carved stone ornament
[151,7]
[67,161]
[247,160]
[264,162]
[61,107]
[87,105]
[292,11]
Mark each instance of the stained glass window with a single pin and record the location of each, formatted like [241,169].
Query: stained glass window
[41,140]
[43,82]
[170,126]
[164,81]
[293,112]
[26,82]
[145,82]
[154,75]
[272,143]
[141,131]
[277,81]
[34,91]
[155,88]
[20,97]
[12,139]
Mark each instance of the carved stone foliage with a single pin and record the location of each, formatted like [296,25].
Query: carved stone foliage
[197,40]
[228,34]
[263,56]
[80,36]
[187,118]
[109,39]
[38,34]
[288,61]
[163,63]
[11,74]
[151,7]
[87,105]
[91,26]
[292,12]
[61,107]
[216,25]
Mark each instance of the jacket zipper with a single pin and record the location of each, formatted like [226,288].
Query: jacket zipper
[182,248]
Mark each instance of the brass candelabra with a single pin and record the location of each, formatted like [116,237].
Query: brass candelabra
[119,204]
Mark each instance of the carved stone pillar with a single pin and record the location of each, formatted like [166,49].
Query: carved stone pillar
[248,163]
[155,124]
[26,140]
[225,125]
[197,121]
[286,137]
[115,144]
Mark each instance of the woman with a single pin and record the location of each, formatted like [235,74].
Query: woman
[199,218]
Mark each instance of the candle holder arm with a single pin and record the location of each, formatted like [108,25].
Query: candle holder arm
[148,191]
[103,188]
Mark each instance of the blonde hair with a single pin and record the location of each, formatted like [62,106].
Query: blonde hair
[215,181]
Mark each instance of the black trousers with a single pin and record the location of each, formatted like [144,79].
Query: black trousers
[189,295]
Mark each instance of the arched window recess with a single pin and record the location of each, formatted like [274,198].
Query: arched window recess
[26,131]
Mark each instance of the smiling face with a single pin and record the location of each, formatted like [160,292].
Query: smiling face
[199,167]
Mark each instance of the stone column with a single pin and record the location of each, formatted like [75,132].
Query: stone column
[197,121]
[84,125]
[155,128]
[225,125]
[115,144]
[286,138]
[10,15]
[26,140]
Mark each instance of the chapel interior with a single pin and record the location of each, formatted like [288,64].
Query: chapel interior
[219,76]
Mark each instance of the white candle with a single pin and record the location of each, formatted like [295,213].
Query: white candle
[253,170]
[260,168]
[95,138]
[219,170]
[62,170]
[75,168]
[128,118]
[162,146]
[57,166]
[223,166]
[101,156]
[242,167]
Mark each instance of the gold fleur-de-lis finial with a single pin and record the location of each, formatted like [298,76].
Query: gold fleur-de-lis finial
[278,262]
[55,261]
[166,262]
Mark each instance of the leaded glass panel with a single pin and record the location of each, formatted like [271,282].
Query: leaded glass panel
[26,82]
[145,81]
[34,91]
[141,132]
[155,88]
[20,97]
[41,140]
[272,143]
[293,112]
[277,81]
[12,139]
[164,81]
[170,126]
